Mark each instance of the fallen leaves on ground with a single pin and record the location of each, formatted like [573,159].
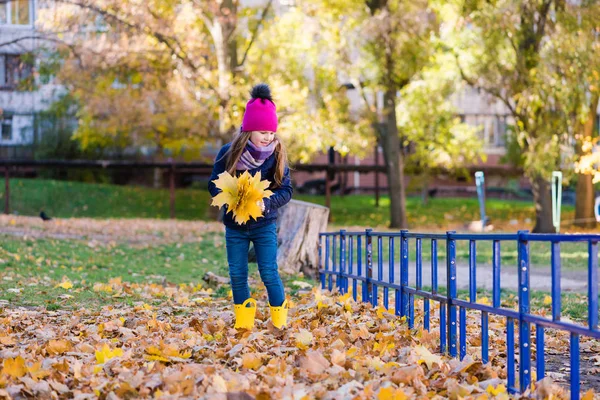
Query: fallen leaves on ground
[334,348]
[109,230]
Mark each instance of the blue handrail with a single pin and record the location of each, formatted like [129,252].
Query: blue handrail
[344,266]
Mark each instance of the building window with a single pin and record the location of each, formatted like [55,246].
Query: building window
[16,12]
[6,127]
[492,127]
[16,71]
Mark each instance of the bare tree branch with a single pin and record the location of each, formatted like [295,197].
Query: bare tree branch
[173,44]
[493,91]
[255,32]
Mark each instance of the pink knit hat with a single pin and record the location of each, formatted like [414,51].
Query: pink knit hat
[261,113]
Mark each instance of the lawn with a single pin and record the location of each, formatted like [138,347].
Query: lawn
[31,269]
[75,199]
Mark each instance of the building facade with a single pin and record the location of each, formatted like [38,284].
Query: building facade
[21,95]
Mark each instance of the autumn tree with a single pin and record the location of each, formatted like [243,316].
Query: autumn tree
[577,56]
[514,50]
[198,44]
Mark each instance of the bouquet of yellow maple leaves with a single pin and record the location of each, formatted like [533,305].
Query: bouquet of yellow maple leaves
[243,195]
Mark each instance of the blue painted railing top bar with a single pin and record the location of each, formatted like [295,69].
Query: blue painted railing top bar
[348,257]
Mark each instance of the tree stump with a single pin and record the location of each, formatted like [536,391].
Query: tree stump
[298,227]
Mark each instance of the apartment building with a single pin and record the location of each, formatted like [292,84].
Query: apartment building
[21,95]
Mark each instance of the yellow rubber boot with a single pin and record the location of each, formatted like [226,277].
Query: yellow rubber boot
[279,315]
[244,314]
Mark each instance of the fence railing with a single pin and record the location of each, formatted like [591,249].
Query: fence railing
[10,167]
[347,258]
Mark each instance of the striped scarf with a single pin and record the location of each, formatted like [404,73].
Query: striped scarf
[253,156]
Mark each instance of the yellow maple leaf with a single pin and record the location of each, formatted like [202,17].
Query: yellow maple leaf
[241,195]
[303,339]
[589,395]
[65,285]
[547,300]
[425,356]
[14,367]
[389,393]
[251,361]
[494,391]
[37,372]
[165,353]
[382,347]
[106,354]
[380,311]
[58,346]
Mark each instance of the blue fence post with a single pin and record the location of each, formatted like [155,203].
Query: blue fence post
[496,273]
[358,265]
[404,300]
[555,273]
[593,285]
[379,270]
[451,295]
[391,274]
[321,266]
[574,378]
[341,279]
[366,295]
[524,334]
[328,272]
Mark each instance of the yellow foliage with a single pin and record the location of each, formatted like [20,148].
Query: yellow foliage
[165,353]
[304,339]
[58,346]
[65,285]
[14,367]
[389,393]
[251,361]
[241,195]
[425,356]
[494,391]
[106,354]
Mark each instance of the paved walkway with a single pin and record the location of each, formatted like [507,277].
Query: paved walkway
[540,278]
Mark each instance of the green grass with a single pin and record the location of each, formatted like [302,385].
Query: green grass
[360,210]
[36,266]
[75,199]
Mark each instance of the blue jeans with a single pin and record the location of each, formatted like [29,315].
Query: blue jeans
[264,239]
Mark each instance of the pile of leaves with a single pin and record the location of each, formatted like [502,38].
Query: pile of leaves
[180,342]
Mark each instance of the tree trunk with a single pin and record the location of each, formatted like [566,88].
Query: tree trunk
[584,200]
[542,199]
[298,227]
[394,162]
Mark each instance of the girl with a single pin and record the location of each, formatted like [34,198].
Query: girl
[256,149]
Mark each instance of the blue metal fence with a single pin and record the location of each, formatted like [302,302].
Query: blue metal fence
[339,265]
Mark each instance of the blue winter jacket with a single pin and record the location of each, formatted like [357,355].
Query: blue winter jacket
[281,195]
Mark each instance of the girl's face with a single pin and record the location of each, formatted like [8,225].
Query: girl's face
[262,138]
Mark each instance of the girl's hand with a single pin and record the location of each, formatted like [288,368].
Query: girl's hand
[261,204]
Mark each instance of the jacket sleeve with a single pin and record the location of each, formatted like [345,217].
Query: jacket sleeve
[282,195]
[218,168]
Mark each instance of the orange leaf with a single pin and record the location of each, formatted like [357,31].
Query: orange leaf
[14,367]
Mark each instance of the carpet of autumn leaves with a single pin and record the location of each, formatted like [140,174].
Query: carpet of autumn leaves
[166,340]
[185,347]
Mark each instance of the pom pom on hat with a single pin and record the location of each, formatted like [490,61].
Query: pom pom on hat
[261,91]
